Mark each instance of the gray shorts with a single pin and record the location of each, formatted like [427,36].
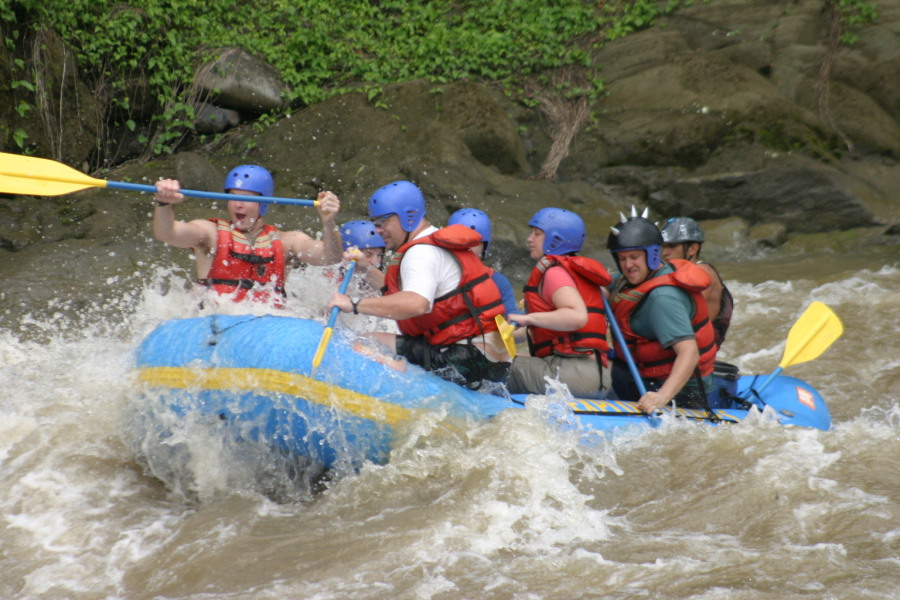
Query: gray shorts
[581,374]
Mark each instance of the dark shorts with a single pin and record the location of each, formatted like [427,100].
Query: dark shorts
[460,363]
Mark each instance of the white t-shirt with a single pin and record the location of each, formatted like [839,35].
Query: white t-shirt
[429,271]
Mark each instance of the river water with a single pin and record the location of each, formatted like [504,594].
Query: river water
[511,509]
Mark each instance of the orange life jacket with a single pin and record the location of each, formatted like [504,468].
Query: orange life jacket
[589,275]
[239,266]
[465,312]
[652,360]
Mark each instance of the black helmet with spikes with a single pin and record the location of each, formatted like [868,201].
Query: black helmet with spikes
[636,233]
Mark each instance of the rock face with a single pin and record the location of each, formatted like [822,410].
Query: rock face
[240,81]
[210,118]
[59,117]
[722,113]
[718,113]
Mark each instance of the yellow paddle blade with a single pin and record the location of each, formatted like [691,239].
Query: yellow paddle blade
[811,335]
[320,351]
[506,333]
[31,176]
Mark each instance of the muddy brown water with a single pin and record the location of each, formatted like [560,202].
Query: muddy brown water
[509,509]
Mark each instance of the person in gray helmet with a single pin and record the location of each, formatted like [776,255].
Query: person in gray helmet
[683,238]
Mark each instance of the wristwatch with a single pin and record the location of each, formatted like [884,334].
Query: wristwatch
[354,301]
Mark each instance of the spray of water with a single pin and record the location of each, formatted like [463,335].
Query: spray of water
[515,507]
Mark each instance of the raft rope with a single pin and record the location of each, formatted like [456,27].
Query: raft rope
[216,331]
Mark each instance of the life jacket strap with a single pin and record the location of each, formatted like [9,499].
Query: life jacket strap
[244,284]
[252,259]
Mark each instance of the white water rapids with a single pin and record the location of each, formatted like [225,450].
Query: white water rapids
[509,509]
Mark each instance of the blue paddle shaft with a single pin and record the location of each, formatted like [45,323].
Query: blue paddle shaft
[343,290]
[611,318]
[138,187]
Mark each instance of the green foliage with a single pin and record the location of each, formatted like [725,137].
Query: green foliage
[322,47]
[628,16]
[853,14]
[19,137]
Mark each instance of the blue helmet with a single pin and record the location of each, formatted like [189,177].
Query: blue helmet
[563,230]
[401,198]
[474,219]
[361,234]
[636,233]
[252,178]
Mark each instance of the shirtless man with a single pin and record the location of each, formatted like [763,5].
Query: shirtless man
[682,238]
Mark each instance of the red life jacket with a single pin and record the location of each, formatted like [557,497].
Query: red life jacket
[589,275]
[652,360]
[465,312]
[238,266]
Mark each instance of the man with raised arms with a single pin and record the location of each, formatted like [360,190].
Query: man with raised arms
[245,255]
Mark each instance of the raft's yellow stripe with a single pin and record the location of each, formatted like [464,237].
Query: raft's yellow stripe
[270,380]
[613,406]
[604,406]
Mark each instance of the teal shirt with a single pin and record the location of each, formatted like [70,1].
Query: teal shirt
[665,315]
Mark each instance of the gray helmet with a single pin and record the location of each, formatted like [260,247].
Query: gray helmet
[679,230]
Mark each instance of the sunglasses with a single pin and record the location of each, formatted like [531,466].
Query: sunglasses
[380,221]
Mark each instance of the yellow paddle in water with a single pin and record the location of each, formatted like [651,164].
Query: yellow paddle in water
[326,335]
[31,176]
[810,336]
[506,330]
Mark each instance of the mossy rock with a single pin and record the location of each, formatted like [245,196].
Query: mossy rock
[838,241]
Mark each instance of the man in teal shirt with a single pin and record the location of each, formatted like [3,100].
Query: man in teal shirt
[667,330]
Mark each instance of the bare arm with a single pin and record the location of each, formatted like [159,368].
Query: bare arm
[329,205]
[687,355]
[570,314]
[713,293]
[401,305]
[367,266]
[375,277]
[198,234]
[326,251]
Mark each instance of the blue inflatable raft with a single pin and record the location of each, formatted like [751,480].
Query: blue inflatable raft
[249,379]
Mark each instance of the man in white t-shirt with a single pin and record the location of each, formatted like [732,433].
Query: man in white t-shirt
[439,292]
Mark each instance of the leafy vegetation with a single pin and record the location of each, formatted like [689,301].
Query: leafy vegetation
[852,14]
[127,49]
[320,47]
